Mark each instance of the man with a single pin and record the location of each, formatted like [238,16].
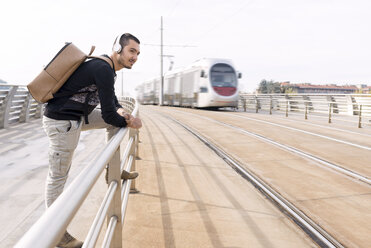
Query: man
[75,111]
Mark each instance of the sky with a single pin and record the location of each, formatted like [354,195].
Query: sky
[301,41]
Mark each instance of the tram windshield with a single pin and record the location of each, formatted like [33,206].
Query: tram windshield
[223,75]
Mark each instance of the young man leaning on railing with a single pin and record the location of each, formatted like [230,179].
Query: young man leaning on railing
[65,117]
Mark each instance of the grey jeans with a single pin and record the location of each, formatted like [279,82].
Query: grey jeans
[63,139]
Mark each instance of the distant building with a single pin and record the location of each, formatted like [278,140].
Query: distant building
[365,90]
[312,88]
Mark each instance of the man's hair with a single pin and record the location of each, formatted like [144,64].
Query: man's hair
[125,39]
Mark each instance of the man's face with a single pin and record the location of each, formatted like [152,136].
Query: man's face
[129,54]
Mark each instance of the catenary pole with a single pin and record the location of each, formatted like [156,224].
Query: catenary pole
[122,83]
[162,74]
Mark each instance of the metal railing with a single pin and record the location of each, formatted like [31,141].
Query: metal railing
[17,105]
[329,105]
[49,229]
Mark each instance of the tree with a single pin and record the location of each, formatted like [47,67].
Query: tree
[269,87]
[263,87]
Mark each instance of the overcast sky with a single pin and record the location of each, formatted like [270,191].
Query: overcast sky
[301,41]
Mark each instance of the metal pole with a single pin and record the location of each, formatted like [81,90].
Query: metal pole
[287,108]
[360,117]
[270,105]
[132,152]
[5,107]
[122,83]
[329,113]
[25,112]
[162,74]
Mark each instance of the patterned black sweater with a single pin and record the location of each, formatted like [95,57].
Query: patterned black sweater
[92,83]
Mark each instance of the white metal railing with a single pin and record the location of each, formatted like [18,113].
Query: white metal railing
[49,229]
[17,105]
[357,105]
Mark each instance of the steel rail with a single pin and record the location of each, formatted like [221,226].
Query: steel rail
[295,150]
[126,189]
[316,125]
[125,155]
[318,234]
[304,154]
[307,132]
[93,234]
[110,231]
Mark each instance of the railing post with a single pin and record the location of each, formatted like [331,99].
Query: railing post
[114,174]
[25,112]
[256,104]
[350,104]
[5,107]
[329,112]
[360,117]
[287,108]
[244,104]
[306,111]
[270,105]
[133,152]
[39,110]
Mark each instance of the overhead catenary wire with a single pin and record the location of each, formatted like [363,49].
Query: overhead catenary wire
[226,19]
[175,6]
[147,44]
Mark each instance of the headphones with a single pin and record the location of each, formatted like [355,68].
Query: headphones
[117,46]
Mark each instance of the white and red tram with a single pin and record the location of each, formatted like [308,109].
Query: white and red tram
[207,83]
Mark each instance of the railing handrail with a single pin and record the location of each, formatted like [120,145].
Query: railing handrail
[49,229]
[306,94]
[17,105]
[340,104]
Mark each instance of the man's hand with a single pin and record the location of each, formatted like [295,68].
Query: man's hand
[132,121]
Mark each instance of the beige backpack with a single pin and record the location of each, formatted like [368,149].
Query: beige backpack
[59,69]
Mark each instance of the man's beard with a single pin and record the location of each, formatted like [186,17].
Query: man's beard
[122,63]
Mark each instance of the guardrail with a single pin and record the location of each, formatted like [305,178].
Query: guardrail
[17,105]
[357,105]
[49,229]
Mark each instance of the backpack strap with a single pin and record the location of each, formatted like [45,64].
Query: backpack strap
[104,58]
[107,59]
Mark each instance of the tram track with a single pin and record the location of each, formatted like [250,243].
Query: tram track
[310,124]
[323,162]
[307,132]
[320,236]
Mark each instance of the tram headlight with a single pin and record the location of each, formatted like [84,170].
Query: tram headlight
[203,89]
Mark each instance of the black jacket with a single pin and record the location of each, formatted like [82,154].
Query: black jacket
[92,83]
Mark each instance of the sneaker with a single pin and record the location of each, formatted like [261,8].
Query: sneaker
[129,175]
[69,241]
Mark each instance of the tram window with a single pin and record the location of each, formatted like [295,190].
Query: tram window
[223,75]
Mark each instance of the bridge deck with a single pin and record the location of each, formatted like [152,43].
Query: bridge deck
[188,196]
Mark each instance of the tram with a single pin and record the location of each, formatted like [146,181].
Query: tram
[207,83]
